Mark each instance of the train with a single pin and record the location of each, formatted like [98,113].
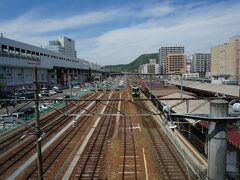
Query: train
[135,91]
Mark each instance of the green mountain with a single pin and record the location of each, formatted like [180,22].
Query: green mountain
[133,66]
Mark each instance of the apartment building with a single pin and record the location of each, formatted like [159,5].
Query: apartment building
[164,52]
[176,64]
[225,59]
[149,68]
[201,63]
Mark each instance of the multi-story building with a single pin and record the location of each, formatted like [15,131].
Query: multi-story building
[63,45]
[189,62]
[163,52]
[176,64]
[225,59]
[152,61]
[150,68]
[56,46]
[201,63]
[18,59]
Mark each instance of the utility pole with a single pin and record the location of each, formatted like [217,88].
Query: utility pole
[181,83]
[217,140]
[37,128]
[70,86]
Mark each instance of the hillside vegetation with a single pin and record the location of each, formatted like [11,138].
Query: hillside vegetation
[133,66]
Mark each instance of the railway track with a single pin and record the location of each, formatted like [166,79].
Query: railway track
[27,147]
[53,154]
[129,158]
[10,139]
[91,164]
[170,166]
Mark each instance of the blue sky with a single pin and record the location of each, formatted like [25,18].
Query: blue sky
[114,32]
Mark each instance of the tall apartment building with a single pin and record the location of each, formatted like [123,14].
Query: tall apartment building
[63,45]
[176,64]
[163,52]
[225,59]
[201,63]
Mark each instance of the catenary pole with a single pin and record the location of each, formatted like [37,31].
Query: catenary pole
[37,128]
[217,140]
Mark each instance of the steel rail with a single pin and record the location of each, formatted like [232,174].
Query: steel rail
[142,99]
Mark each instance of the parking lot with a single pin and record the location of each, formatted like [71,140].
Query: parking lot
[24,111]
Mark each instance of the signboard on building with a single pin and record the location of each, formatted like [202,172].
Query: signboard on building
[32,62]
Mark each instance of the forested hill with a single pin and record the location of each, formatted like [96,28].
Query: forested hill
[133,66]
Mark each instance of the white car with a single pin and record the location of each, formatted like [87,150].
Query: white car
[74,93]
[52,92]
[42,107]
[76,87]
[18,115]
[55,87]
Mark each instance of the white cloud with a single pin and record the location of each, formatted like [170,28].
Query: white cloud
[198,33]
[198,29]
[29,23]
[157,10]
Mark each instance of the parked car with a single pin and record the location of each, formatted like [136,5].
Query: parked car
[45,93]
[43,107]
[52,92]
[76,87]
[27,111]
[58,90]
[29,95]
[18,115]
[8,103]
[55,88]
[74,93]
[8,119]
[67,96]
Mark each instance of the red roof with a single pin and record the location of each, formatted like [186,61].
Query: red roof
[234,137]
[233,134]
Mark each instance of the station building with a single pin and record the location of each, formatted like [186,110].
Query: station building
[17,61]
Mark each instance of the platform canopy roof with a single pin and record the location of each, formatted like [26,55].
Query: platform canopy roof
[230,90]
[200,106]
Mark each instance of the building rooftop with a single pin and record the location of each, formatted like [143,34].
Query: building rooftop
[230,90]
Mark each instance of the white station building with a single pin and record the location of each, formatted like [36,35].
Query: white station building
[17,61]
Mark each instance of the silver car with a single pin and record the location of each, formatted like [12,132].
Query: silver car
[8,119]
